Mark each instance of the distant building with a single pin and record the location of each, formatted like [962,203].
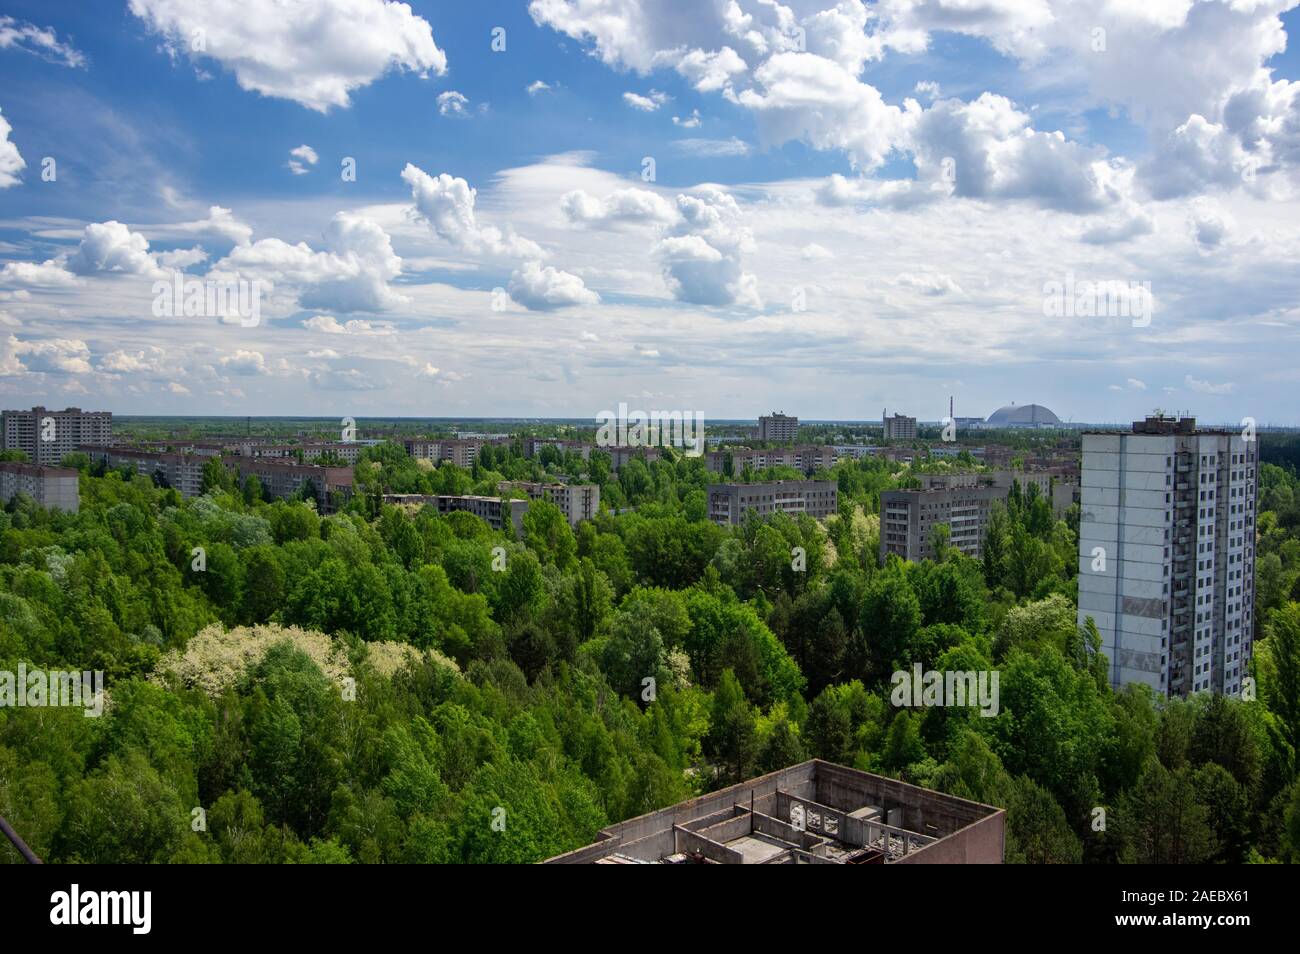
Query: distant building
[285,479]
[49,436]
[807,459]
[814,813]
[778,428]
[462,453]
[1021,416]
[900,427]
[184,472]
[52,487]
[496,512]
[578,502]
[856,451]
[347,451]
[728,503]
[1167,553]
[622,454]
[534,445]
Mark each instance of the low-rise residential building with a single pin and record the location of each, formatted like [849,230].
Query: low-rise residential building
[53,487]
[281,478]
[807,458]
[621,454]
[182,472]
[534,445]
[728,503]
[347,451]
[497,512]
[578,502]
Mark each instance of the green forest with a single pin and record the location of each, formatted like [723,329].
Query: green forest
[390,685]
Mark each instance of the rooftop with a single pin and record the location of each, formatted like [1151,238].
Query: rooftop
[811,813]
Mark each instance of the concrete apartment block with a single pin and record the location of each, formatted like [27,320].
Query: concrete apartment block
[778,428]
[908,517]
[183,472]
[1167,553]
[578,502]
[534,445]
[55,488]
[728,503]
[48,436]
[900,427]
[496,512]
[280,478]
[807,458]
[814,813]
[621,454]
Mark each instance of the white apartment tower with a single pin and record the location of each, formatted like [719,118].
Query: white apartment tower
[47,436]
[1167,553]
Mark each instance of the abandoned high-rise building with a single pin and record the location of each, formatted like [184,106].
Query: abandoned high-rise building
[1167,553]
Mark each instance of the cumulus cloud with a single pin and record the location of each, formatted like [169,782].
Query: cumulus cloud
[301,159]
[620,207]
[446,203]
[537,87]
[50,356]
[152,361]
[11,163]
[244,362]
[351,273]
[540,288]
[314,55]
[220,226]
[356,326]
[701,254]
[39,41]
[689,122]
[114,248]
[647,104]
[453,104]
[802,96]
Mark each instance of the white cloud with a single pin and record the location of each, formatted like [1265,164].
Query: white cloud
[690,122]
[345,379]
[114,248]
[620,207]
[711,148]
[701,254]
[50,356]
[39,41]
[301,159]
[647,104]
[427,373]
[537,87]
[1201,386]
[351,274]
[245,362]
[11,163]
[453,104]
[446,203]
[331,325]
[315,56]
[152,361]
[813,251]
[540,288]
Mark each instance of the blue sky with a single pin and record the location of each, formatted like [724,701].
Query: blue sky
[853,206]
